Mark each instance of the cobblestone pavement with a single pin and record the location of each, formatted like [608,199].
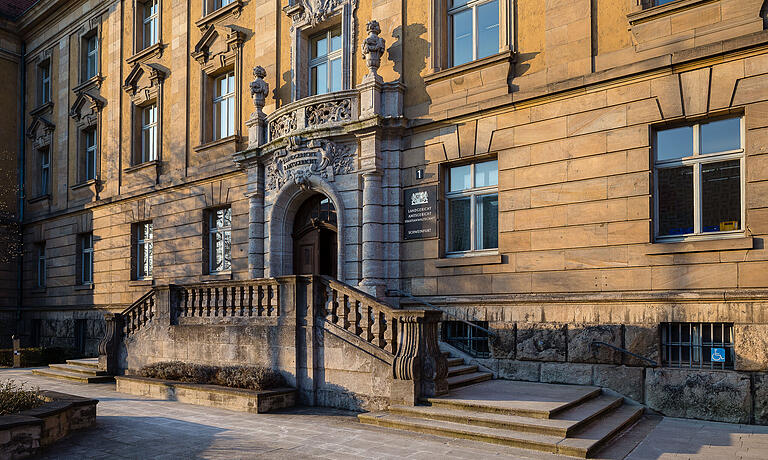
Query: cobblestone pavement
[139,428]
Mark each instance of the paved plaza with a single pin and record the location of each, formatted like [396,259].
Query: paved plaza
[139,428]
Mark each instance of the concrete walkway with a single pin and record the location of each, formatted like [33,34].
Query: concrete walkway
[140,428]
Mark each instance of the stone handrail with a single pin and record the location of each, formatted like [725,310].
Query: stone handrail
[228,299]
[139,314]
[313,112]
[419,368]
[119,325]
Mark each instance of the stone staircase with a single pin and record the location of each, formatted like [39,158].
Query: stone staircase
[564,419]
[78,370]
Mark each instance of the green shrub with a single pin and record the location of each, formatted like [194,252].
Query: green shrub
[248,377]
[15,398]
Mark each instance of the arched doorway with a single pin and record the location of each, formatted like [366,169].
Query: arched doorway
[315,237]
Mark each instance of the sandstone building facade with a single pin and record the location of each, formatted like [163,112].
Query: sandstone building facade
[559,172]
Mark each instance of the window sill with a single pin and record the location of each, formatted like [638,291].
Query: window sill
[152,50]
[84,287]
[235,8]
[142,282]
[86,184]
[94,81]
[467,260]
[474,65]
[222,276]
[223,141]
[655,12]
[41,108]
[140,166]
[39,198]
[714,243]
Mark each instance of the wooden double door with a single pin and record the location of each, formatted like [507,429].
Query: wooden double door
[315,238]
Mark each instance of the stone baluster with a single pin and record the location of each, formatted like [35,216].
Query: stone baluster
[345,323]
[419,367]
[379,329]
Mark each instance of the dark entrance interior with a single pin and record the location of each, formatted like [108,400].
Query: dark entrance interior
[314,238]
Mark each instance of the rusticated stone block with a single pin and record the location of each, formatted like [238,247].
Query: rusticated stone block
[541,342]
[751,347]
[761,398]
[519,370]
[643,341]
[627,381]
[571,373]
[722,396]
[581,336]
[503,343]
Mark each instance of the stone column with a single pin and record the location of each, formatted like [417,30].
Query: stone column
[256,234]
[373,235]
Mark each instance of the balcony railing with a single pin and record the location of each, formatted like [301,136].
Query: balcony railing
[314,112]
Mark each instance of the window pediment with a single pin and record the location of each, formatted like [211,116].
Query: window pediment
[143,82]
[40,131]
[314,12]
[85,109]
[218,47]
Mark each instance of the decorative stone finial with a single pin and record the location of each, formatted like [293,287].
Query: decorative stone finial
[373,49]
[259,89]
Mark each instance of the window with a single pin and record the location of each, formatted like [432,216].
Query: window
[473,207]
[144,250]
[471,340]
[45,170]
[91,56]
[697,345]
[44,82]
[474,29]
[86,258]
[220,240]
[698,179]
[221,3]
[90,154]
[41,266]
[325,62]
[149,133]
[149,21]
[224,106]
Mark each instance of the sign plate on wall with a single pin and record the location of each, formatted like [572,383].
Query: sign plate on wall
[420,212]
[718,355]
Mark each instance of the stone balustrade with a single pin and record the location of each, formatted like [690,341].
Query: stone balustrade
[314,112]
[228,299]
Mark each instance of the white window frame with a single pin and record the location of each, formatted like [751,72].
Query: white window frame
[472,193]
[473,5]
[326,59]
[223,101]
[45,82]
[696,161]
[86,258]
[151,19]
[45,170]
[213,255]
[91,153]
[91,55]
[144,250]
[41,265]
[149,133]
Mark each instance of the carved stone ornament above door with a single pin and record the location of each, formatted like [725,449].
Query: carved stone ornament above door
[303,158]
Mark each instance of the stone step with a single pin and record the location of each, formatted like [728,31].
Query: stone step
[461,369]
[78,369]
[587,441]
[528,399]
[455,362]
[535,441]
[463,380]
[65,375]
[85,362]
[562,426]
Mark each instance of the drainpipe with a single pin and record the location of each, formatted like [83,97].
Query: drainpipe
[22,147]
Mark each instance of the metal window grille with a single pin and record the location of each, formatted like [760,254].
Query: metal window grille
[220,240]
[144,250]
[466,338]
[697,345]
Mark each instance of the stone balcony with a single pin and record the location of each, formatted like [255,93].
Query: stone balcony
[325,111]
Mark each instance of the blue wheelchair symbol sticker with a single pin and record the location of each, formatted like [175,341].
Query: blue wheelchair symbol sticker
[718,355]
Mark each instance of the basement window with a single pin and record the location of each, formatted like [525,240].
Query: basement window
[697,345]
[470,340]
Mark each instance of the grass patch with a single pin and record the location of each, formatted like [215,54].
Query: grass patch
[248,377]
[16,398]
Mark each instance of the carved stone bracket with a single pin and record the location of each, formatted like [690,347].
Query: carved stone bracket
[419,368]
[303,158]
[109,344]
